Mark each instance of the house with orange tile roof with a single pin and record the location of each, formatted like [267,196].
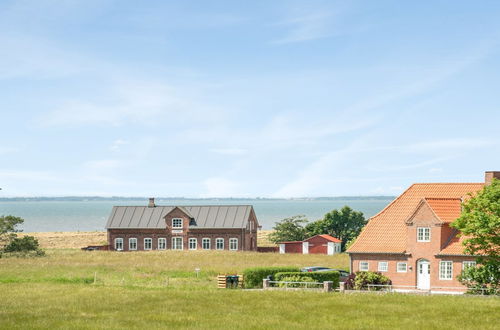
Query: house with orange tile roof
[411,240]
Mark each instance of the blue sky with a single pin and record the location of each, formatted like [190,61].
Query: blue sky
[246,99]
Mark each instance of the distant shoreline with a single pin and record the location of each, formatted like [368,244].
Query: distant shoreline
[118,198]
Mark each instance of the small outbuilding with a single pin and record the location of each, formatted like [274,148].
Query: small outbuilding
[319,244]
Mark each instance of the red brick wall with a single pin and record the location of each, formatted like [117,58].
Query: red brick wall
[318,245]
[293,247]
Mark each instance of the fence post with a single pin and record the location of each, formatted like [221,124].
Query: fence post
[265,283]
[327,286]
[342,287]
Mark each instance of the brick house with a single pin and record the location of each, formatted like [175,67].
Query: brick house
[319,244]
[411,240]
[205,227]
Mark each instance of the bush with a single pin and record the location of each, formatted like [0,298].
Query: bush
[360,281]
[294,278]
[483,279]
[26,243]
[314,276]
[254,276]
[26,246]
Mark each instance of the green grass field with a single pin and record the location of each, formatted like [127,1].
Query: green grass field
[161,290]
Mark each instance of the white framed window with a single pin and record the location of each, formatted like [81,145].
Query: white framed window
[193,243]
[205,243]
[177,223]
[364,266]
[402,267]
[162,243]
[468,264]
[445,270]
[132,244]
[423,234]
[177,243]
[148,244]
[119,244]
[233,244]
[219,243]
[383,266]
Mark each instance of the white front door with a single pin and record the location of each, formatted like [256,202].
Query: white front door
[423,275]
[331,247]
[282,248]
[305,247]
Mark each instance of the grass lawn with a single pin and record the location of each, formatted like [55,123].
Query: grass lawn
[160,289]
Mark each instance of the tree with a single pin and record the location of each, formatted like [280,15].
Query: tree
[345,225]
[480,224]
[8,224]
[289,229]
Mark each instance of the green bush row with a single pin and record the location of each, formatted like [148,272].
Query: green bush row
[314,276]
[254,276]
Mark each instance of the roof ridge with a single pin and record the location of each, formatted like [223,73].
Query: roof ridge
[456,183]
[443,198]
[389,205]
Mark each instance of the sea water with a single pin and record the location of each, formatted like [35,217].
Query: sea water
[43,216]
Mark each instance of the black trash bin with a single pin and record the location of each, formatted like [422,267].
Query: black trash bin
[232,281]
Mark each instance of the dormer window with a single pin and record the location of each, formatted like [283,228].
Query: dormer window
[177,223]
[423,234]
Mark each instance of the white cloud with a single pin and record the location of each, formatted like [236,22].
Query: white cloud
[104,164]
[229,151]
[220,187]
[137,102]
[307,27]
[117,144]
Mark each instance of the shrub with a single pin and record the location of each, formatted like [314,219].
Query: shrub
[314,276]
[24,244]
[254,276]
[360,280]
[483,279]
[298,277]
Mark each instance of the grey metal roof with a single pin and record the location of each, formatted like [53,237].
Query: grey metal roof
[205,216]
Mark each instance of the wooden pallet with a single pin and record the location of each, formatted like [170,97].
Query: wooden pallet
[221,281]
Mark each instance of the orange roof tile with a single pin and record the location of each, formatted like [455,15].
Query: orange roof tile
[386,231]
[447,209]
[454,246]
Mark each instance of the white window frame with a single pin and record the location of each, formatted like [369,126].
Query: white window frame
[423,237]
[150,241]
[362,264]
[383,266]
[191,240]
[134,240]
[235,242]
[205,240]
[398,267]
[174,226]
[446,270]
[162,241]
[468,264]
[174,245]
[217,240]
[119,239]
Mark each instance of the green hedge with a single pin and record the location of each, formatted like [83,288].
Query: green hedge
[254,276]
[315,276]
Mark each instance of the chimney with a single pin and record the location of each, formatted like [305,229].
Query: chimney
[489,175]
[151,202]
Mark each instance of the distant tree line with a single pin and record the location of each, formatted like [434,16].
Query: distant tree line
[344,224]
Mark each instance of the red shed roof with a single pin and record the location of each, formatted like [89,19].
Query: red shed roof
[327,237]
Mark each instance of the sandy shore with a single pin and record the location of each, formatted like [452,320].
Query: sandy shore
[76,240]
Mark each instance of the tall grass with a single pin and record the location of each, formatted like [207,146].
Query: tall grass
[151,269]
[50,306]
